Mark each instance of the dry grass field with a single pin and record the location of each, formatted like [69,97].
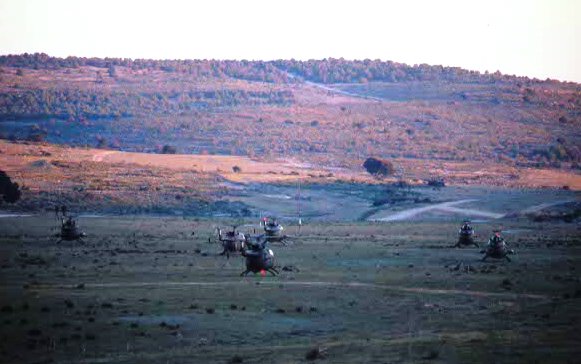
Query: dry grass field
[147,290]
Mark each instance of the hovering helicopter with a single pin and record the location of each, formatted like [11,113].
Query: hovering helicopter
[466,235]
[232,241]
[259,259]
[497,248]
[69,230]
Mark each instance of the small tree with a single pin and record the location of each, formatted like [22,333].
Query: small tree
[112,71]
[169,149]
[378,167]
[9,190]
[101,141]
[99,78]
[236,169]
[36,137]
[436,182]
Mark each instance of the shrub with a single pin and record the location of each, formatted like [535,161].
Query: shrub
[378,167]
[9,190]
[36,137]
[169,149]
[436,182]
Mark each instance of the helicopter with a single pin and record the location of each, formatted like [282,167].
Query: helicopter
[497,248]
[466,235]
[232,241]
[259,259]
[273,230]
[69,230]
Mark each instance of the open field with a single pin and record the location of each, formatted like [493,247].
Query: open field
[146,290]
[123,182]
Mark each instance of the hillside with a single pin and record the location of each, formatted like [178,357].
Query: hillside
[332,113]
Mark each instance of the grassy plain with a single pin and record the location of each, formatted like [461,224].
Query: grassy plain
[147,290]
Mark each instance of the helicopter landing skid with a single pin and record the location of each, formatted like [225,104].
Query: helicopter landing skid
[272,271]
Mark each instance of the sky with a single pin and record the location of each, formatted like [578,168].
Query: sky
[535,38]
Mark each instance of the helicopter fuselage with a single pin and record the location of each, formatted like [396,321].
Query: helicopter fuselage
[499,251]
[273,230]
[465,238]
[232,242]
[259,260]
[70,232]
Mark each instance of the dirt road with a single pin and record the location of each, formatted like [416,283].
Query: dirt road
[443,207]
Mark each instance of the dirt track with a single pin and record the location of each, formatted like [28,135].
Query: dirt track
[410,213]
[448,207]
[311,284]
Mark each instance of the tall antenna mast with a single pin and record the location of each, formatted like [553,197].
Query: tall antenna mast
[299,204]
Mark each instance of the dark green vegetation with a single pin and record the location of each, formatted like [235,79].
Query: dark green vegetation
[323,71]
[378,167]
[80,105]
[146,290]
[9,191]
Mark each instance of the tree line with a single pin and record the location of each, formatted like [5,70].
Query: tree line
[247,70]
[329,70]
